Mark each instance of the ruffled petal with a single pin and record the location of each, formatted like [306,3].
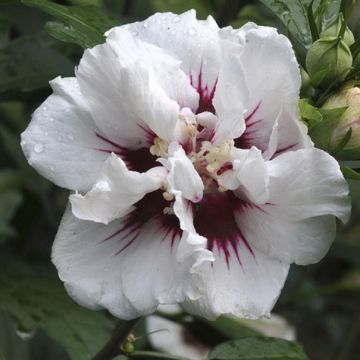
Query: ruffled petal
[247,286]
[128,266]
[272,77]
[194,42]
[248,177]
[134,89]
[182,175]
[307,191]
[230,100]
[60,141]
[115,191]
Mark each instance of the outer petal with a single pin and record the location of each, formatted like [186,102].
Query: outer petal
[115,191]
[297,225]
[132,87]
[127,269]
[248,177]
[248,289]
[273,79]
[61,142]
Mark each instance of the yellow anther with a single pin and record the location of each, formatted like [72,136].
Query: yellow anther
[168,211]
[159,148]
[222,188]
[167,196]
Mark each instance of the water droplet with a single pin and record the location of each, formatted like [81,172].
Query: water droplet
[59,138]
[172,32]
[176,19]
[52,168]
[38,148]
[44,107]
[192,32]
[25,335]
[70,136]
[146,24]
[46,133]
[67,110]
[51,119]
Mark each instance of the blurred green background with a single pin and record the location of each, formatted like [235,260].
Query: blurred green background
[37,319]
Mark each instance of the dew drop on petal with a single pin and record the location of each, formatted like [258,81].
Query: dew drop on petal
[192,32]
[51,119]
[146,24]
[176,19]
[52,168]
[44,107]
[70,137]
[38,148]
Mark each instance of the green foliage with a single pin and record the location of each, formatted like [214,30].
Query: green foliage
[231,327]
[203,8]
[310,114]
[322,132]
[258,348]
[37,300]
[10,199]
[82,25]
[29,63]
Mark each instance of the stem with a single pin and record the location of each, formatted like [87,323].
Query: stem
[112,347]
[153,355]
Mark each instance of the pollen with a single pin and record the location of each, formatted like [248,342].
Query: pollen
[159,148]
[168,196]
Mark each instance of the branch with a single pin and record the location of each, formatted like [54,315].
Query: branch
[112,347]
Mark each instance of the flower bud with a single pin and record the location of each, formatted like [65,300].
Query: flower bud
[349,98]
[331,54]
[334,29]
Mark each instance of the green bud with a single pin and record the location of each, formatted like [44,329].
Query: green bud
[334,29]
[127,347]
[331,56]
[349,98]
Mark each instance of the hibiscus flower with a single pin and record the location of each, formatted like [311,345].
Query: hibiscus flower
[193,180]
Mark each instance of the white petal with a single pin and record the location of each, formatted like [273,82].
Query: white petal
[297,225]
[272,77]
[247,288]
[195,43]
[182,175]
[249,176]
[134,87]
[61,141]
[126,267]
[275,326]
[230,100]
[172,338]
[115,191]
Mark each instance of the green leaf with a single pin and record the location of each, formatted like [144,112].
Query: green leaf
[258,348]
[350,173]
[310,114]
[28,64]
[82,25]
[37,300]
[294,16]
[322,132]
[231,327]
[178,6]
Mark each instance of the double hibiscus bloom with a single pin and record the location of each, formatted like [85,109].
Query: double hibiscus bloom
[193,180]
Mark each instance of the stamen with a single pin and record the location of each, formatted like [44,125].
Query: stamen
[160,147]
[167,196]
[168,211]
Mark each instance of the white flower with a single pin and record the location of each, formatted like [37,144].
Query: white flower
[193,180]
